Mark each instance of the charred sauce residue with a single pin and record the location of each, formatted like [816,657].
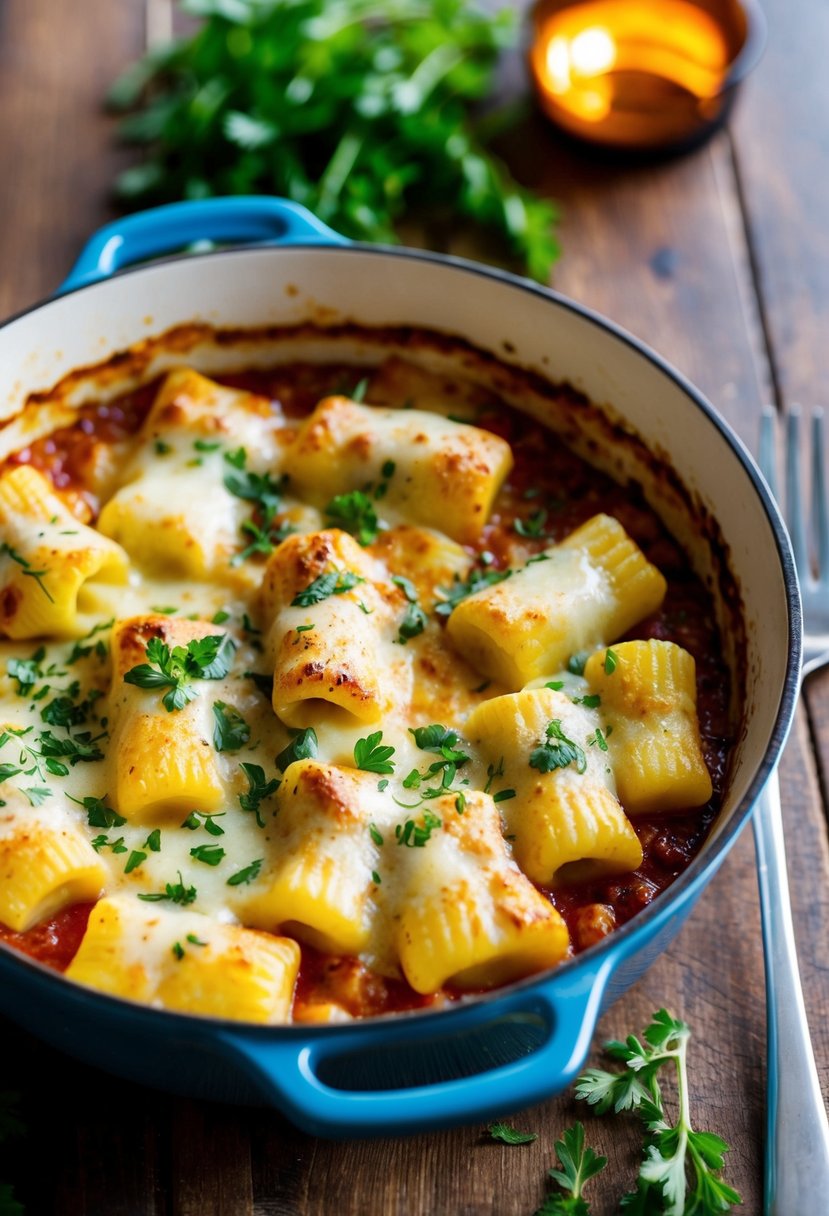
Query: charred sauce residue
[547,473]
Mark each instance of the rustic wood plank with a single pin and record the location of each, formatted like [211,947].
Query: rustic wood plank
[56,64]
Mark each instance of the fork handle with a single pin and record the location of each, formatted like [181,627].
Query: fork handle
[797,1131]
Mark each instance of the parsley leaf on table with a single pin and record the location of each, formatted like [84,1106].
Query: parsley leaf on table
[676,1156]
[365,113]
[510,1135]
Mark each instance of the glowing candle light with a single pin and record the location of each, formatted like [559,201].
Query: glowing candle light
[641,73]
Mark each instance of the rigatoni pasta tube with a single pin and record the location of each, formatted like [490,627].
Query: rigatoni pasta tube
[467,916]
[54,570]
[320,880]
[173,512]
[435,472]
[565,819]
[46,863]
[649,692]
[186,961]
[161,763]
[330,624]
[584,592]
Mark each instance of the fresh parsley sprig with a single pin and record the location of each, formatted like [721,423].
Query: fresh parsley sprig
[354,513]
[557,751]
[265,492]
[579,1163]
[332,582]
[362,112]
[259,788]
[26,567]
[414,618]
[677,1158]
[371,756]
[206,658]
[230,730]
[477,580]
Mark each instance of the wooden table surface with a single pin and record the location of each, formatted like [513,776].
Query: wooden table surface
[718,259]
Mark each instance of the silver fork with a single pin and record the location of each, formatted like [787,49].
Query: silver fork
[797,1131]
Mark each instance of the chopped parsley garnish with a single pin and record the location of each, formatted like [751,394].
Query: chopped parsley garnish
[220,617]
[210,854]
[335,582]
[358,393]
[416,835]
[66,711]
[82,651]
[354,513]
[532,526]
[414,618]
[98,814]
[230,730]
[304,746]
[576,662]
[371,757]
[461,588]
[177,950]
[259,488]
[162,448]
[263,539]
[206,445]
[135,859]
[600,740]
[27,672]
[491,773]
[79,747]
[103,842]
[200,819]
[265,492]
[175,892]
[591,701]
[37,575]
[557,751]
[375,833]
[153,841]
[375,878]
[206,658]
[258,790]
[37,794]
[610,661]
[247,875]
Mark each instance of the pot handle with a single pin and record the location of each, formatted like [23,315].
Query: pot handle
[287,1070]
[149,234]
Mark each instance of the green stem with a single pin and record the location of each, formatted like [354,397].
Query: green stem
[336,171]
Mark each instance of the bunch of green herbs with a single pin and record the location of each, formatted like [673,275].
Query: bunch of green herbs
[365,113]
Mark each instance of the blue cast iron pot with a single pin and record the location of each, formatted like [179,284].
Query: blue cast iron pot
[513,1047]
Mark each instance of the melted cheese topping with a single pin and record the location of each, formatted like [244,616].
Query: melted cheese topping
[293,793]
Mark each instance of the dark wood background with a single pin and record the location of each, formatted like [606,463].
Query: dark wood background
[719,260]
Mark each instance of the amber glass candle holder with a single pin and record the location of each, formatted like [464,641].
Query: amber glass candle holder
[642,74]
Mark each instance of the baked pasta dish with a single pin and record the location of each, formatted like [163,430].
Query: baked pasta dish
[332,691]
